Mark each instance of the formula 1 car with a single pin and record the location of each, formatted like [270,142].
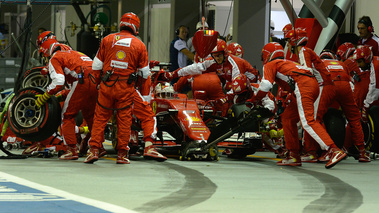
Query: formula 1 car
[181,129]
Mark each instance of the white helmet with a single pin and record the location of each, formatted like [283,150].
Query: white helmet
[164,90]
[200,25]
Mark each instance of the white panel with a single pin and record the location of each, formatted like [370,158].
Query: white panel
[159,46]
[60,23]
[221,19]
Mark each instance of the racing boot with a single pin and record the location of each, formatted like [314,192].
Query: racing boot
[93,155]
[70,154]
[122,156]
[83,147]
[102,151]
[335,155]
[364,156]
[33,148]
[293,159]
[151,153]
[310,157]
[281,153]
[325,157]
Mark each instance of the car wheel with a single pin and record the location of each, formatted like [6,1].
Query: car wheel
[374,114]
[34,78]
[28,121]
[335,126]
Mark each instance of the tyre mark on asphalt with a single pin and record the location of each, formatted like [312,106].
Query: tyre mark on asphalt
[196,189]
[338,196]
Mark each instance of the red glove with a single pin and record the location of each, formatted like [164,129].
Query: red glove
[228,98]
[364,115]
[153,63]
[44,71]
[222,101]
[168,76]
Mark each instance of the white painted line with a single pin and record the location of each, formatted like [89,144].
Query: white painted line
[67,195]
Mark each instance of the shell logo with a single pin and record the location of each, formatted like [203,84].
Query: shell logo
[120,55]
[333,62]
[193,118]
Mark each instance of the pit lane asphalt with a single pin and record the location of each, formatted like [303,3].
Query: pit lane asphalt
[254,184]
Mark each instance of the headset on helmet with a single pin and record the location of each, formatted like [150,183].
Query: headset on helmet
[235,49]
[328,54]
[367,22]
[363,52]
[164,90]
[45,36]
[272,51]
[287,28]
[220,47]
[345,50]
[130,20]
[45,49]
[240,84]
[299,37]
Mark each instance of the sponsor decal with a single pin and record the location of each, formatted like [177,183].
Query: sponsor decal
[120,55]
[154,106]
[125,42]
[85,58]
[119,64]
[193,118]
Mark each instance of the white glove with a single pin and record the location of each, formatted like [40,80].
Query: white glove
[268,103]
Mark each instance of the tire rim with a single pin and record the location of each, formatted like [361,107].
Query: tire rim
[26,113]
[36,80]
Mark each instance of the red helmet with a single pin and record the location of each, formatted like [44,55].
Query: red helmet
[130,20]
[45,36]
[345,50]
[327,54]
[364,52]
[298,37]
[240,84]
[49,46]
[221,46]
[287,28]
[235,49]
[271,51]
[46,47]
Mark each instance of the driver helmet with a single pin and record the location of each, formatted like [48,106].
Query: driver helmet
[164,90]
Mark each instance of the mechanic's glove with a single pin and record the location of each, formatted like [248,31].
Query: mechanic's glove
[153,63]
[41,99]
[44,71]
[168,76]
[221,101]
[268,104]
[364,115]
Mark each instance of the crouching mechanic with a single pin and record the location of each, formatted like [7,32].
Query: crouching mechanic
[300,81]
[119,57]
[67,66]
[242,91]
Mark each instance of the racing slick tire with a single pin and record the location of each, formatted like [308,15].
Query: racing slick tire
[373,145]
[34,78]
[335,126]
[28,121]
